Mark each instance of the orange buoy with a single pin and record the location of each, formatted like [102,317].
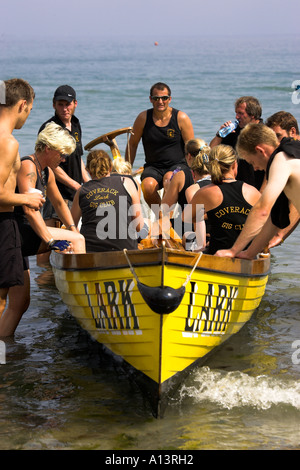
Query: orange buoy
[156,43]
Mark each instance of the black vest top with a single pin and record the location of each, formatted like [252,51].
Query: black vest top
[163,146]
[227,220]
[280,210]
[106,223]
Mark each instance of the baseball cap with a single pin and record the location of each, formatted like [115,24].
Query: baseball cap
[64,92]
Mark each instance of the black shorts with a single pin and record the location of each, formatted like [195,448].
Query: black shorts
[11,260]
[30,241]
[158,173]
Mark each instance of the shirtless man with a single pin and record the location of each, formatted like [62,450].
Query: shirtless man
[284,124]
[164,131]
[14,111]
[259,146]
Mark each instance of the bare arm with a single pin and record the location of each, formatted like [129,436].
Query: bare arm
[135,137]
[9,165]
[65,179]
[59,204]
[260,242]
[217,140]
[85,175]
[26,181]
[195,213]
[185,125]
[75,209]
[281,235]
[171,194]
[136,204]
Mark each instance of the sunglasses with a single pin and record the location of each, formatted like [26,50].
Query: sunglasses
[163,98]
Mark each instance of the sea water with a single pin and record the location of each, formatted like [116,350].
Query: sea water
[58,390]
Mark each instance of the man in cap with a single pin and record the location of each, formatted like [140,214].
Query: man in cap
[71,173]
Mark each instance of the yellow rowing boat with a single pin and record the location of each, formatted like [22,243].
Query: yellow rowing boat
[161,310]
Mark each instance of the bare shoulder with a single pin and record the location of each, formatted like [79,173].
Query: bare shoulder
[130,186]
[138,127]
[182,117]
[185,125]
[250,193]
[140,119]
[9,146]
[208,192]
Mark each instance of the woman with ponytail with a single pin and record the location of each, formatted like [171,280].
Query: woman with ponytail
[181,187]
[226,201]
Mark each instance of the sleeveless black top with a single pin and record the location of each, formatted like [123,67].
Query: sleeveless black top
[280,211]
[227,220]
[106,223]
[163,146]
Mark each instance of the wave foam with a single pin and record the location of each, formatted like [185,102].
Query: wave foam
[237,389]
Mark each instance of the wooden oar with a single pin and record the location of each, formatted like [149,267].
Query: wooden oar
[109,139]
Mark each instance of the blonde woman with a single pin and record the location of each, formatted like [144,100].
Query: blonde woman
[52,146]
[121,167]
[227,202]
[197,157]
[109,206]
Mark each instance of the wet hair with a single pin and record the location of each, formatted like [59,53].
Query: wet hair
[253,135]
[199,150]
[55,137]
[160,86]
[119,165]
[17,89]
[98,163]
[283,119]
[221,158]
[253,107]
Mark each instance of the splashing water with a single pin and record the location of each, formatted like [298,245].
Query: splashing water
[236,389]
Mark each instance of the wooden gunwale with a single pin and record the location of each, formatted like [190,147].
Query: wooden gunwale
[105,261]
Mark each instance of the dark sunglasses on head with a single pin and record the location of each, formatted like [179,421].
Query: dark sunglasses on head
[157,98]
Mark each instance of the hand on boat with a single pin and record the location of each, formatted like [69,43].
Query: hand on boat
[225,253]
[245,255]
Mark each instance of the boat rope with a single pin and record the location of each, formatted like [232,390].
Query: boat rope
[130,265]
[184,284]
[194,267]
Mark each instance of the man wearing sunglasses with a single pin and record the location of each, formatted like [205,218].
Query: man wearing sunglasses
[164,131]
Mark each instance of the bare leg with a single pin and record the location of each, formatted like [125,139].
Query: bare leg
[3,297]
[150,190]
[18,303]
[77,240]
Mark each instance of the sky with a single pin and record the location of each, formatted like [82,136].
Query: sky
[153,18]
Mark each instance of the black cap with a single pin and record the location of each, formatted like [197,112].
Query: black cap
[64,92]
